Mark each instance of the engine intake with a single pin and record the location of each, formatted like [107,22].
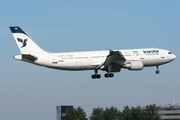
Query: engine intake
[133,65]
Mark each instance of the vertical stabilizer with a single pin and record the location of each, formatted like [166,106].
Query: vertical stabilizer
[25,43]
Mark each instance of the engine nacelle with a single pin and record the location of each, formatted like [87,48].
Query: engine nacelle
[134,65]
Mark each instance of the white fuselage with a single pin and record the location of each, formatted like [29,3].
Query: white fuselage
[91,59]
[106,60]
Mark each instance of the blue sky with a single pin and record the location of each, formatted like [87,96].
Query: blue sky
[66,26]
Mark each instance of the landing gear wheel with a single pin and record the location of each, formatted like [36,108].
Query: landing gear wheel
[96,76]
[111,75]
[93,76]
[157,71]
[106,75]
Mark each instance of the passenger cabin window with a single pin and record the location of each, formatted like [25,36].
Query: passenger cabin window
[169,53]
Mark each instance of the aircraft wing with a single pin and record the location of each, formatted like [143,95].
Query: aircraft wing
[113,61]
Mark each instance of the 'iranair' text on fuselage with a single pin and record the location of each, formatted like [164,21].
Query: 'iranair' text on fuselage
[151,52]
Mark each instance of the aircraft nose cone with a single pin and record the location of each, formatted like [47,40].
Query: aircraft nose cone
[173,57]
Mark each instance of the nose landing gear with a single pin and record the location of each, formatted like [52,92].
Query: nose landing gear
[157,71]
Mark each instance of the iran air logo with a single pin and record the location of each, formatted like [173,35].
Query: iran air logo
[24,42]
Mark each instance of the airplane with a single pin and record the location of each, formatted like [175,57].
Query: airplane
[107,60]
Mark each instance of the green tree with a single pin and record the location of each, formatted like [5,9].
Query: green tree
[112,113]
[138,113]
[152,112]
[75,114]
[143,115]
[126,113]
[97,114]
[133,113]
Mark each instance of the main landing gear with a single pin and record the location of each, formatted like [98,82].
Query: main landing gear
[107,75]
[96,75]
[157,71]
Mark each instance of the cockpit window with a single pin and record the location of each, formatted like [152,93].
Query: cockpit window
[169,53]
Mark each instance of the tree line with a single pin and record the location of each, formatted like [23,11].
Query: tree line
[112,113]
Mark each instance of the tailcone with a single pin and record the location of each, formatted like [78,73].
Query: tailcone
[18,57]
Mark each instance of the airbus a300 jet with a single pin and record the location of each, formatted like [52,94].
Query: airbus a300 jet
[107,60]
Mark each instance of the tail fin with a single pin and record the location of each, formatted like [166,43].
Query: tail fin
[25,43]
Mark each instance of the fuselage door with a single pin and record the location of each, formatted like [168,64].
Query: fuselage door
[54,59]
[162,54]
[142,56]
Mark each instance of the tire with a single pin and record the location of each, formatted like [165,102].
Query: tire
[111,75]
[98,76]
[93,76]
[157,71]
[106,75]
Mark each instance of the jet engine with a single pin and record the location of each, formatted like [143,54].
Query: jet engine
[133,65]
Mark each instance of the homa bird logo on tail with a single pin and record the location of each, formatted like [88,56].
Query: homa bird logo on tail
[24,42]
